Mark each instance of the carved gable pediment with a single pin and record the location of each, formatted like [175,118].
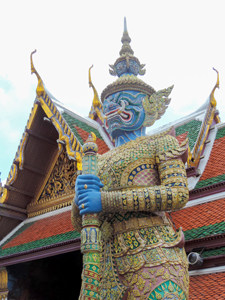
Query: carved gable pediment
[58,189]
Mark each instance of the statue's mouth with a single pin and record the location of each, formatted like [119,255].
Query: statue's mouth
[118,112]
[124,115]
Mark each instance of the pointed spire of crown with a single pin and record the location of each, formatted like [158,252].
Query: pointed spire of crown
[127,67]
[127,63]
[126,48]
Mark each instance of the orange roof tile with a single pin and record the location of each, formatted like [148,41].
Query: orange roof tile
[43,228]
[205,287]
[102,147]
[216,162]
[200,215]
[182,137]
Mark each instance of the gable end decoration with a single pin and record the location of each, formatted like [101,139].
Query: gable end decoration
[66,136]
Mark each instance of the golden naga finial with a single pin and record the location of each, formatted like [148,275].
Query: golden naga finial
[217,85]
[40,87]
[96,104]
[93,137]
[206,124]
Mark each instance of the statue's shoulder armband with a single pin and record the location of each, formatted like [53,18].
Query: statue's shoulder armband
[168,147]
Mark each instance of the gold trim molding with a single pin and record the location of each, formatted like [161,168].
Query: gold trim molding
[19,157]
[3,284]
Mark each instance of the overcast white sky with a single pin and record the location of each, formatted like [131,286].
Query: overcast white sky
[179,41]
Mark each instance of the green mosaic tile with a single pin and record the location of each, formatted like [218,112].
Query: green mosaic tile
[72,121]
[40,243]
[220,133]
[193,127]
[213,252]
[210,181]
[204,231]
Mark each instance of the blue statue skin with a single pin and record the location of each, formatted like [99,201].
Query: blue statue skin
[124,123]
[124,113]
[90,197]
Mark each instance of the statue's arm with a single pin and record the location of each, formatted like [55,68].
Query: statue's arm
[172,194]
[87,198]
[76,218]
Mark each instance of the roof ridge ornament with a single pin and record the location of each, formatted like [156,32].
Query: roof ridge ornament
[66,136]
[210,115]
[40,91]
[217,85]
[96,103]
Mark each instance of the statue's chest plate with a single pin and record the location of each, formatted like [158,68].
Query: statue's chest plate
[132,164]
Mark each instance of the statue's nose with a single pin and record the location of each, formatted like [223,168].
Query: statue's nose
[112,106]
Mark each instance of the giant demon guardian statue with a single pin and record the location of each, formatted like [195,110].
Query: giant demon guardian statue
[137,182]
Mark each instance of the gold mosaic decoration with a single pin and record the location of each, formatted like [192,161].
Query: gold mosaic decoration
[130,175]
[59,189]
[62,179]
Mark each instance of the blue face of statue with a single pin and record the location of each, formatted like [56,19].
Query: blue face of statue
[124,112]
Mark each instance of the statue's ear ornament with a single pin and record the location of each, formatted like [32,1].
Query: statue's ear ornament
[156,105]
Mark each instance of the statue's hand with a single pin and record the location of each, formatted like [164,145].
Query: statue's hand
[88,195]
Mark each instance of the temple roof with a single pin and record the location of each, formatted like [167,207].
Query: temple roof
[40,236]
[215,168]
[35,218]
[204,228]
[82,127]
[50,130]
[189,129]
[207,286]
[197,224]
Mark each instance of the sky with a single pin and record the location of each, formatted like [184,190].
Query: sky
[179,41]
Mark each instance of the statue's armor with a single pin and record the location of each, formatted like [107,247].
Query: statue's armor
[143,256]
[144,246]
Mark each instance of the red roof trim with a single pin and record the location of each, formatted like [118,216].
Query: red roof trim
[207,190]
[209,242]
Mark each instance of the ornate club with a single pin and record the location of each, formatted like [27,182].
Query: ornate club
[90,233]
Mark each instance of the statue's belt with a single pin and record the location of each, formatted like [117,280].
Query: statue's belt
[127,187]
[137,223]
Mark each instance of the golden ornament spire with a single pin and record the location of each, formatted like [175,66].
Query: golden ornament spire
[40,87]
[217,85]
[211,114]
[96,103]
